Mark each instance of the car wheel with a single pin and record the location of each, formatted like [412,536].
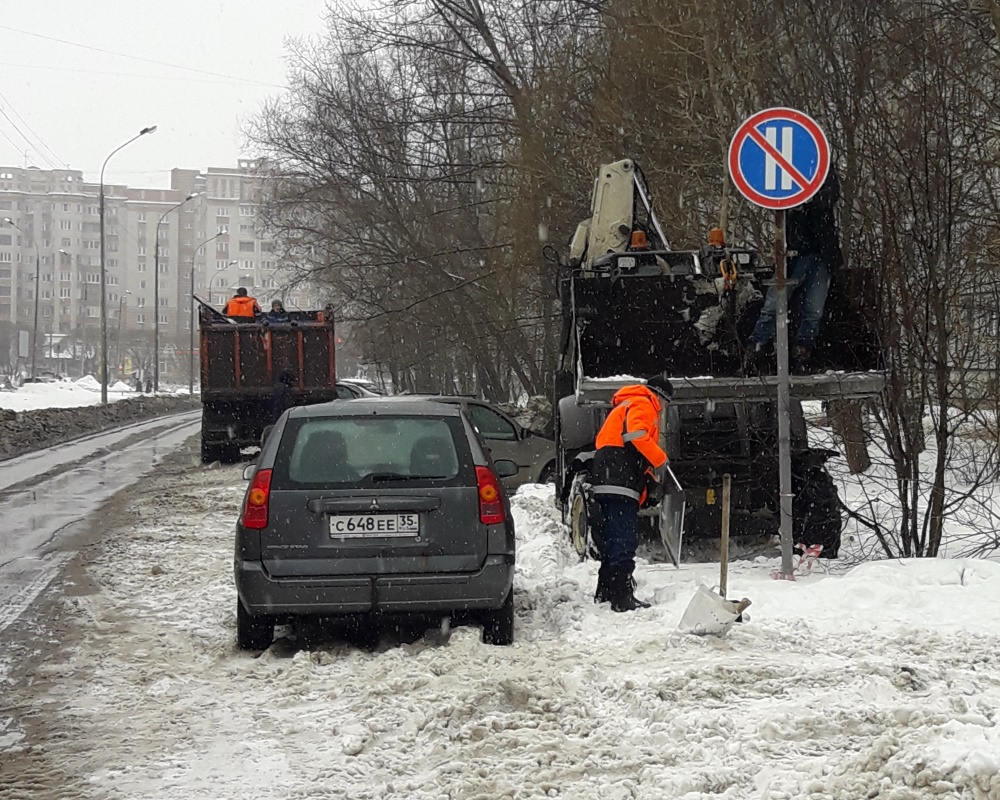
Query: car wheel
[498,624]
[548,473]
[253,632]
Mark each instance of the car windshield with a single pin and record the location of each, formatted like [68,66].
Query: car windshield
[352,450]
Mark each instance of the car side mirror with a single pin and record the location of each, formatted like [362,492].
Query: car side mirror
[248,471]
[505,468]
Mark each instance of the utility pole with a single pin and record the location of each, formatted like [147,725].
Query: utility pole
[38,291]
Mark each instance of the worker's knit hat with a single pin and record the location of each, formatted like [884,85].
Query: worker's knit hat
[661,385]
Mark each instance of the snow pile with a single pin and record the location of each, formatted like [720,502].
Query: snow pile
[881,681]
[62,394]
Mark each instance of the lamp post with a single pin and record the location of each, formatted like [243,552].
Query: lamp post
[104,271]
[38,291]
[223,269]
[191,350]
[156,291]
[118,347]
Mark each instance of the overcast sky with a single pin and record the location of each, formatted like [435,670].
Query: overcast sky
[83,103]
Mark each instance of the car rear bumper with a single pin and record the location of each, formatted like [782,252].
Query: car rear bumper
[261,593]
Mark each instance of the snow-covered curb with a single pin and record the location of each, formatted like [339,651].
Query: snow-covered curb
[26,431]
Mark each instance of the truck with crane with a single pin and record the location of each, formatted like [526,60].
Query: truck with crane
[634,307]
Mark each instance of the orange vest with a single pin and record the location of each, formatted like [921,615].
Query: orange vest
[241,307]
[634,419]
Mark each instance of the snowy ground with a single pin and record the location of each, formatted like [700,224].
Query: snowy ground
[881,681]
[84,391]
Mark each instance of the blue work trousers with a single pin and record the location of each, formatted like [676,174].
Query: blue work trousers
[813,282]
[620,530]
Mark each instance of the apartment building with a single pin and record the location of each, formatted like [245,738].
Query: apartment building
[214,240]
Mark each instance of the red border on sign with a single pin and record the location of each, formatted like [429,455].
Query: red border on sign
[749,127]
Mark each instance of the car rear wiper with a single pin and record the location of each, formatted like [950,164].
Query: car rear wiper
[397,476]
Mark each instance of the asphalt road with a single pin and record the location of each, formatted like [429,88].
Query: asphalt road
[47,496]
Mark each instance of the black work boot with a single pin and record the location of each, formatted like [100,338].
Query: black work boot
[603,593]
[800,360]
[755,360]
[623,592]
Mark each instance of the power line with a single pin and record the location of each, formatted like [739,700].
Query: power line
[31,144]
[26,125]
[128,74]
[137,58]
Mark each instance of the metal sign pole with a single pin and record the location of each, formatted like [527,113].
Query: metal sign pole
[784,435]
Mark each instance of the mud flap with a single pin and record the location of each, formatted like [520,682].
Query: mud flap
[672,516]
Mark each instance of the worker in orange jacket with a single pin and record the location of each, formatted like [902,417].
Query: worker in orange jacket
[242,306]
[628,452]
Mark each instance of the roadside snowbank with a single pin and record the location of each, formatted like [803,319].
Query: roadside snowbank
[27,431]
[881,681]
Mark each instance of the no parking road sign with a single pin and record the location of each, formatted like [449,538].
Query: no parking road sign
[779,158]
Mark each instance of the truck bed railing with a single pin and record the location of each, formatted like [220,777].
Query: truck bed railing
[693,391]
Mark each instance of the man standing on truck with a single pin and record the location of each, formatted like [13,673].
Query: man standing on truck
[242,307]
[814,246]
[628,450]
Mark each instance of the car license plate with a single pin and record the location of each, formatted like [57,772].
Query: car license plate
[355,525]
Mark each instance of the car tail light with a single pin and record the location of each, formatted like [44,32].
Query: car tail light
[255,510]
[490,497]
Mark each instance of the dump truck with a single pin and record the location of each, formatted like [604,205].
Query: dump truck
[252,370]
[634,307]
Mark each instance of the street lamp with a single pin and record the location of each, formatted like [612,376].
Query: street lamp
[191,350]
[222,269]
[118,348]
[38,291]
[156,291]
[104,271]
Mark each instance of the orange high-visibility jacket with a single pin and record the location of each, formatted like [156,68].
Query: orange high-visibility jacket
[241,307]
[635,420]
[628,444]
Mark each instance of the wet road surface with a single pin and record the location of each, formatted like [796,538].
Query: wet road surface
[46,496]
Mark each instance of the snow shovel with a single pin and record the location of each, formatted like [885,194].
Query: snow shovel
[710,613]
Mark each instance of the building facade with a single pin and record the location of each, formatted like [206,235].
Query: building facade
[206,246]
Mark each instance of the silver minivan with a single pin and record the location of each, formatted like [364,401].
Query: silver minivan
[374,507]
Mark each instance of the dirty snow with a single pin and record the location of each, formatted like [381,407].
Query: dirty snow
[85,391]
[878,681]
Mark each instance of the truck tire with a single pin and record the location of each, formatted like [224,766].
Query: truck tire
[253,633]
[816,515]
[582,517]
[210,452]
[224,453]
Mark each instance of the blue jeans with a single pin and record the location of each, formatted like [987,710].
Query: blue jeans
[620,530]
[813,276]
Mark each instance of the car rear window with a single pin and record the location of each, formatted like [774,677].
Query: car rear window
[325,451]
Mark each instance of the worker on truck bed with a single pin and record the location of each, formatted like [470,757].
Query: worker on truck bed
[277,312]
[814,246]
[628,450]
[242,306]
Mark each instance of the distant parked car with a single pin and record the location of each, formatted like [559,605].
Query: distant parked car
[371,507]
[349,390]
[369,388]
[532,452]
